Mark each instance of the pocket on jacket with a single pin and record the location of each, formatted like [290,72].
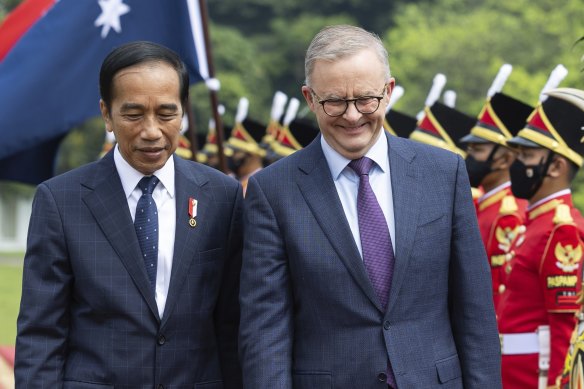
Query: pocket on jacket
[209,385]
[85,385]
[211,255]
[429,219]
[448,369]
[311,380]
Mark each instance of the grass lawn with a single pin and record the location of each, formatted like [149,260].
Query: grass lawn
[10,288]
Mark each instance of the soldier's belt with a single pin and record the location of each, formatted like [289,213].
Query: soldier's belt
[522,343]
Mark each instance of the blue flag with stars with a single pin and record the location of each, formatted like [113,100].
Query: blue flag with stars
[49,78]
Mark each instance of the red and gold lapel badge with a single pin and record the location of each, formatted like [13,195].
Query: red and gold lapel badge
[192,211]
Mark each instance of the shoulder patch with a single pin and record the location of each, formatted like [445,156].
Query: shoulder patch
[568,256]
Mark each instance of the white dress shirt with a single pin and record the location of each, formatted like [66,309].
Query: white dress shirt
[164,197]
[347,184]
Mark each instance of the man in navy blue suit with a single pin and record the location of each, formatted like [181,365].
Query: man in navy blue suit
[363,266]
[131,273]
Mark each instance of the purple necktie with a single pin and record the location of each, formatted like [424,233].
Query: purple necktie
[376,244]
[375,240]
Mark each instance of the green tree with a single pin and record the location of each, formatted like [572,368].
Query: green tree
[468,42]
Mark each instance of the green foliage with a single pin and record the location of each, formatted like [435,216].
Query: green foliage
[82,145]
[10,290]
[6,6]
[16,190]
[469,41]
[258,48]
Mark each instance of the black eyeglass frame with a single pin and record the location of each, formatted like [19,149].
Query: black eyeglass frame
[347,101]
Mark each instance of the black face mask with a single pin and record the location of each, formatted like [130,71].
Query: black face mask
[478,170]
[527,179]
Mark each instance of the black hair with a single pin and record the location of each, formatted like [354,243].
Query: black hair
[135,53]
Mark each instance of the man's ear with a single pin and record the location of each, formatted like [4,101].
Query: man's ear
[559,167]
[105,116]
[309,97]
[389,88]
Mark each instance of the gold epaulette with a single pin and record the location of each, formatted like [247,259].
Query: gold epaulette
[508,205]
[545,208]
[563,215]
[476,193]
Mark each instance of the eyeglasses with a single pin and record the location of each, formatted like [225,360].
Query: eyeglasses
[337,107]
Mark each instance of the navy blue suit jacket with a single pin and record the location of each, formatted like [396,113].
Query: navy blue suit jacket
[309,314]
[88,317]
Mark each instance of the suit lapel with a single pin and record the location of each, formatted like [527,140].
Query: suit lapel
[319,191]
[108,205]
[188,183]
[405,205]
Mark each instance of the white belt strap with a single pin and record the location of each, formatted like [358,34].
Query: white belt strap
[543,335]
[515,344]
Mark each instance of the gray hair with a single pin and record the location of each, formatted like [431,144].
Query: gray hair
[336,42]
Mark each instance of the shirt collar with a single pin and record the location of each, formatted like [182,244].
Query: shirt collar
[337,163]
[130,176]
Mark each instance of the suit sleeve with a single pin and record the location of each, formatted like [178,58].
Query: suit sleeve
[266,329]
[471,304]
[43,320]
[227,310]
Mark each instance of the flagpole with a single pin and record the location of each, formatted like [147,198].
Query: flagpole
[212,92]
[192,130]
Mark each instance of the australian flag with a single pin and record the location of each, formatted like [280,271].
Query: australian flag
[50,55]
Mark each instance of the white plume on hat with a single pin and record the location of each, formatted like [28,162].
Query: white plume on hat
[435,91]
[557,75]
[242,109]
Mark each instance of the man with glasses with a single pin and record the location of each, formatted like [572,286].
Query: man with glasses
[363,265]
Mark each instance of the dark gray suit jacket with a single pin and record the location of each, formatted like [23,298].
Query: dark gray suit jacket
[88,317]
[310,317]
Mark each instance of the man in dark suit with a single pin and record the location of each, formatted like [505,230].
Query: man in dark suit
[132,266]
[363,272]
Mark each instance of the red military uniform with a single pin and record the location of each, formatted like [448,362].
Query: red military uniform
[541,291]
[477,193]
[500,218]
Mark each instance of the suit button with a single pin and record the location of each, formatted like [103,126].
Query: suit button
[382,377]
[386,325]
[160,386]
[161,341]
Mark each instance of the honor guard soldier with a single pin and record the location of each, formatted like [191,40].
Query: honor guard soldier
[209,153]
[397,123]
[573,374]
[274,126]
[439,125]
[536,312]
[295,136]
[248,156]
[488,160]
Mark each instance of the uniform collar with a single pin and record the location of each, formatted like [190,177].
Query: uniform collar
[549,203]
